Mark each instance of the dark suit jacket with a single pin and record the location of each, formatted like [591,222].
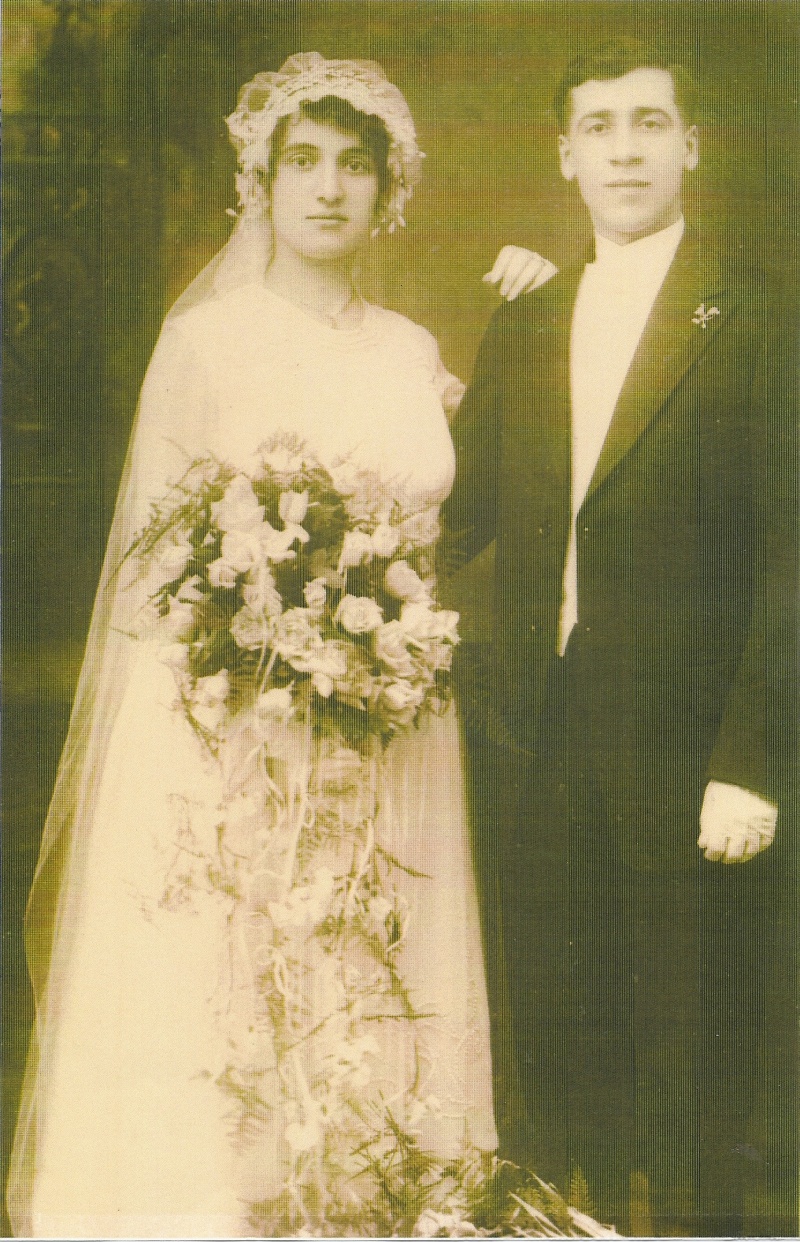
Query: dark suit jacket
[683,544]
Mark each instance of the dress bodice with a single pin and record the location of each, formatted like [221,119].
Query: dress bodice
[228,375]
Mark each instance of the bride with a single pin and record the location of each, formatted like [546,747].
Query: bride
[163,1097]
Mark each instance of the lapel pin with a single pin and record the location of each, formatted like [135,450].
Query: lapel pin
[702,316]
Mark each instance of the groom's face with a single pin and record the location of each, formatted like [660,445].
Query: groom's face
[628,148]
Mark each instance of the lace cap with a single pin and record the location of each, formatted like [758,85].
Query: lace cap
[309,76]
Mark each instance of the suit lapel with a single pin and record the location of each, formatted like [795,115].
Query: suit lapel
[671,343]
[549,379]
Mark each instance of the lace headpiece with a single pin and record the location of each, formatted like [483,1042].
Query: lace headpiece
[309,76]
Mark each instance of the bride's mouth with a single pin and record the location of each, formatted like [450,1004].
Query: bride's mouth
[328,219]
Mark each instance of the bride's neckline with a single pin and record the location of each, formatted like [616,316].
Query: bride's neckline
[328,323]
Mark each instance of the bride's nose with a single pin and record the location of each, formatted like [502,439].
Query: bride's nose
[329,181]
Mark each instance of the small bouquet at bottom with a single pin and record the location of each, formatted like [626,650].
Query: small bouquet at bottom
[288,594]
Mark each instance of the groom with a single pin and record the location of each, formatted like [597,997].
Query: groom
[621,441]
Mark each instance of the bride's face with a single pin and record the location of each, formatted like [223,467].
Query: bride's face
[324,193]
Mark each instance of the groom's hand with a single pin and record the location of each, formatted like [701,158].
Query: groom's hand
[517,270]
[735,824]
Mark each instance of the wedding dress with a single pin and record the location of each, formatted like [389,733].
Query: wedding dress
[125,1128]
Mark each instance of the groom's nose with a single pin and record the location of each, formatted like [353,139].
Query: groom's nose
[625,148]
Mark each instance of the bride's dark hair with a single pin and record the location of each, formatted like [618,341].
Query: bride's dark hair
[339,113]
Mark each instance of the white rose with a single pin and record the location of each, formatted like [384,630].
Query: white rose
[323,684]
[250,629]
[208,699]
[221,573]
[277,544]
[209,691]
[447,625]
[275,704]
[296,639]
[421,529]
[356,548]
[239,509]
[261,593]
[422,623]
[330,658]
[417,620]
[241,550]
[188,591]
[391,646]
[385,540]
[400,695]
[173,557]
[358,614]
[403,582]
[328,665]
[439,655]
[315,594]
[293,507]
[432,1224]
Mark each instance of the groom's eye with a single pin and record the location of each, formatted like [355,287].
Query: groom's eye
[595,127]
[653,123]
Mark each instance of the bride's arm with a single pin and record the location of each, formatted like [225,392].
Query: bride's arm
[517,270]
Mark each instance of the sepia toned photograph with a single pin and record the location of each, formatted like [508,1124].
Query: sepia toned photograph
[400,515]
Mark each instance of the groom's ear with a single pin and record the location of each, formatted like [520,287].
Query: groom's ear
[691,153]
[565,157]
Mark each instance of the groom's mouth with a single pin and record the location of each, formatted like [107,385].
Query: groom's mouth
[627,184]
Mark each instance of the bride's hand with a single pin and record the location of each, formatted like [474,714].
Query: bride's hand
[518,270]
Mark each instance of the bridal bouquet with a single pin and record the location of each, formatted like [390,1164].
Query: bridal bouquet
[284,593]
[297,613]
[295,608]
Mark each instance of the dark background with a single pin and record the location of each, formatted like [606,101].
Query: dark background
[117,174]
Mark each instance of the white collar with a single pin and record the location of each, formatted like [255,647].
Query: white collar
[655,251]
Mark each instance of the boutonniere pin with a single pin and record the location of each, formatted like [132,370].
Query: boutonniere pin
[702,316]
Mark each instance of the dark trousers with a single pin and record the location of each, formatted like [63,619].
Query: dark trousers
[637,999]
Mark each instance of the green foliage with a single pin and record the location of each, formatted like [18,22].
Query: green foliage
[579,1194]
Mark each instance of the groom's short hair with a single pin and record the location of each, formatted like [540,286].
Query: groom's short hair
[613,58]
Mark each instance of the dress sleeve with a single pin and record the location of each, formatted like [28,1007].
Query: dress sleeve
[449,387]
[174,421]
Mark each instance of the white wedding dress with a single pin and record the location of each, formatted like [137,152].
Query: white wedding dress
[125,1131]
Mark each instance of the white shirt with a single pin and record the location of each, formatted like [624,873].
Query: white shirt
[615,298]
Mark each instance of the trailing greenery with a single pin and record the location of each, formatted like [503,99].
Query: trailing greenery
[419,1194]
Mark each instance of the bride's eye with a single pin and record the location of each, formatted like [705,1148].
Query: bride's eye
[358,164]
[299,159]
